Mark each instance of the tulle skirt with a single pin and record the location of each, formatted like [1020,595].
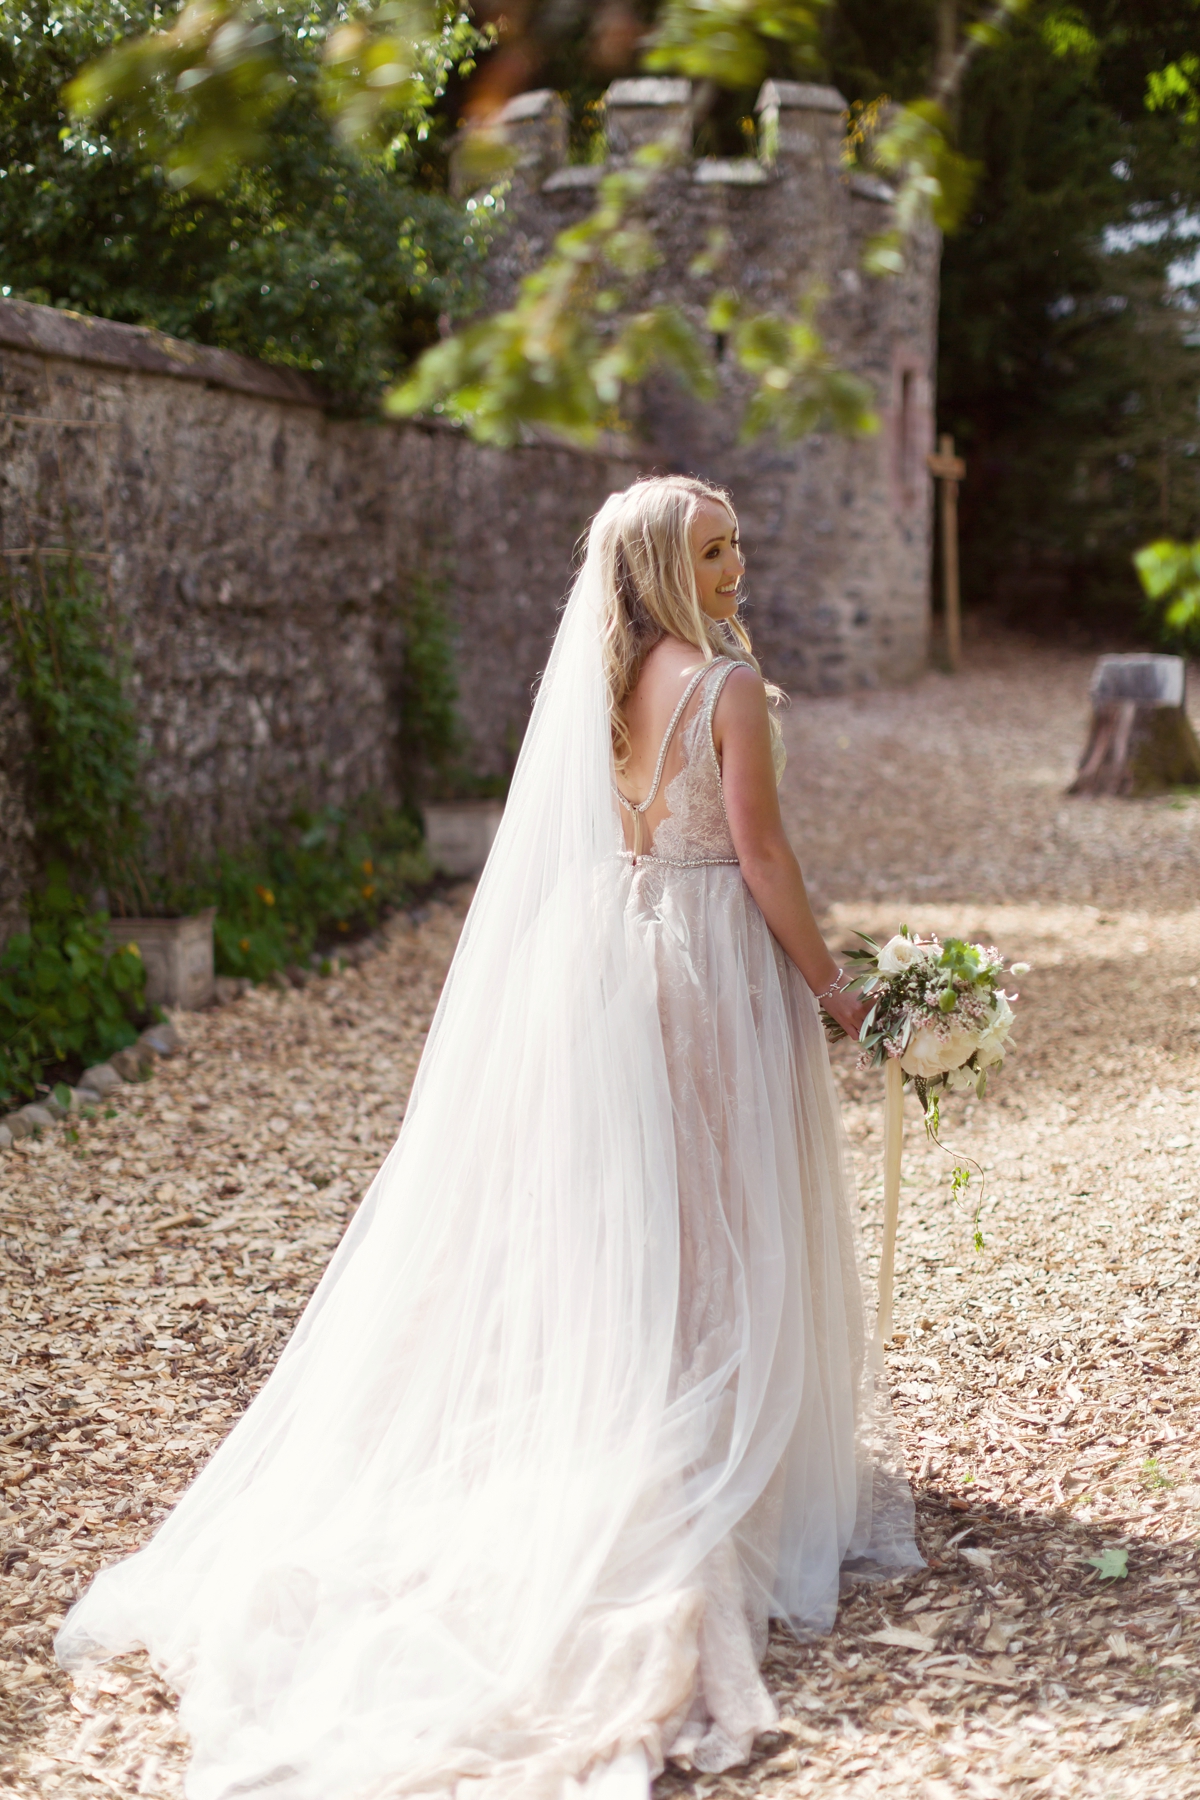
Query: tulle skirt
[584,1400]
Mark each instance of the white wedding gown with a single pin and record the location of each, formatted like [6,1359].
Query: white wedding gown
[584,1397]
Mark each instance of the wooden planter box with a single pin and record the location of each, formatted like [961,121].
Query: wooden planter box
[178,955]
[459,834]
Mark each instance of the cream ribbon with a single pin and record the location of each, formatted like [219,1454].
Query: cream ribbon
[893,1148]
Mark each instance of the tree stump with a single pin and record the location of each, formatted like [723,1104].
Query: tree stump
[1141,741]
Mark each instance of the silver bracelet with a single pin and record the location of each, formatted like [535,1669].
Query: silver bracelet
[838,985]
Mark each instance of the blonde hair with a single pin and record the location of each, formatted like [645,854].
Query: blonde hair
[641,542]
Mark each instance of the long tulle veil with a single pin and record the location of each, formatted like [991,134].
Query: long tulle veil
[469,1499]
[475,1395]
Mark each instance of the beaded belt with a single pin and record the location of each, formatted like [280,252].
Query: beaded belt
[680,862]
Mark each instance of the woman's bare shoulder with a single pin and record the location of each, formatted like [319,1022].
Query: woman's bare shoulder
[743,692]
[742,704]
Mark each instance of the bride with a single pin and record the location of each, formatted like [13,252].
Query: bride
[583,1399]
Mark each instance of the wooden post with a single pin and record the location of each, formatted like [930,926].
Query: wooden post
[949,469]
[893,1149]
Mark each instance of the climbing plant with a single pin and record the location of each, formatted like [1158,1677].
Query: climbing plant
[429,738]
[73,675]
[66,996]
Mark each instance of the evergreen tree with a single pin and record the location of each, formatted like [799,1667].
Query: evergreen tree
[1069,369]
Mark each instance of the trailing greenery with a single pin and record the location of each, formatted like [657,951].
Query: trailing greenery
[198,95]
[66,997]
[307,888]
[324,258]
[73,676]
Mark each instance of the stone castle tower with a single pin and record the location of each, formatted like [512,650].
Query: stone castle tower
[837,531]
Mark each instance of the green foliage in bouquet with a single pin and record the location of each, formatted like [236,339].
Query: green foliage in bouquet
[322,880]
[938,1007]
[66,996]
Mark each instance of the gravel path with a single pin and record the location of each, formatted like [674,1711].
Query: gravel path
[1045,1388]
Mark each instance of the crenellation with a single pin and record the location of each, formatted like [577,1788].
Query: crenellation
[643,111]
[838,532]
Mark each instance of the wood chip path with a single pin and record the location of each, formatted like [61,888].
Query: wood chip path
[1046,1388]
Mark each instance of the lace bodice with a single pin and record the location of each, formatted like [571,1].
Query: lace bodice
[696,829]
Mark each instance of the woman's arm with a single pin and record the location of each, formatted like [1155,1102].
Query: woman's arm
[742,734]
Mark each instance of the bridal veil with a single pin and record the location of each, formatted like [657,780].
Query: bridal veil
[463,1541]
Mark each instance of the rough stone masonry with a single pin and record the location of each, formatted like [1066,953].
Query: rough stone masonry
[255,549]
[837,531]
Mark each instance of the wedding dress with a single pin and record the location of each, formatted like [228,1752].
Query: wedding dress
[584,1397]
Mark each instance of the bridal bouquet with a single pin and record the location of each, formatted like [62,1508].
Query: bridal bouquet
[938,1017]
[938,1009]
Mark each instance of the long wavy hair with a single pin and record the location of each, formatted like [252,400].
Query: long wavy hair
[641,540]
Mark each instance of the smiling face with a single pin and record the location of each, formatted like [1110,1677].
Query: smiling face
[716,559]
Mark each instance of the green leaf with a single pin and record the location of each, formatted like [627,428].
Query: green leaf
[1165,565]
[1176,88]
[1170,576]
[724,310]
[200,93]
[731,42]
[1111,1565]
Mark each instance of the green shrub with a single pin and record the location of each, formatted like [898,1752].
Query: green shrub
[326,878]
[315,257]
[66,996]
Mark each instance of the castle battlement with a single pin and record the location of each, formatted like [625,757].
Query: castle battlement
[837,531]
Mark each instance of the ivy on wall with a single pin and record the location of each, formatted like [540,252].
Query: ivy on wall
[67,998]
[304,887]
[73,677]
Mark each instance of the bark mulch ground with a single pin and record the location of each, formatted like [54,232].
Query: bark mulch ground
[1045,1386]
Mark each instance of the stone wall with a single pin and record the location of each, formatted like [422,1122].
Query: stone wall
[255,548]
[837,532]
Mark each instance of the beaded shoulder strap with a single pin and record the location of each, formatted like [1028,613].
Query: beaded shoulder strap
[713,695]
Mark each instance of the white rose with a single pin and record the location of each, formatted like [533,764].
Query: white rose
[932,1050]
[994,1042]
[898,954]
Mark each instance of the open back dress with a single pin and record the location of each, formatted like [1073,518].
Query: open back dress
[584,1398]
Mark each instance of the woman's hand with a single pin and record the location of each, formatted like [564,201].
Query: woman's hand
[848,1009]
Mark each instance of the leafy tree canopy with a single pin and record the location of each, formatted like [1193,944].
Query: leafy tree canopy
[272,178]
[304,250]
